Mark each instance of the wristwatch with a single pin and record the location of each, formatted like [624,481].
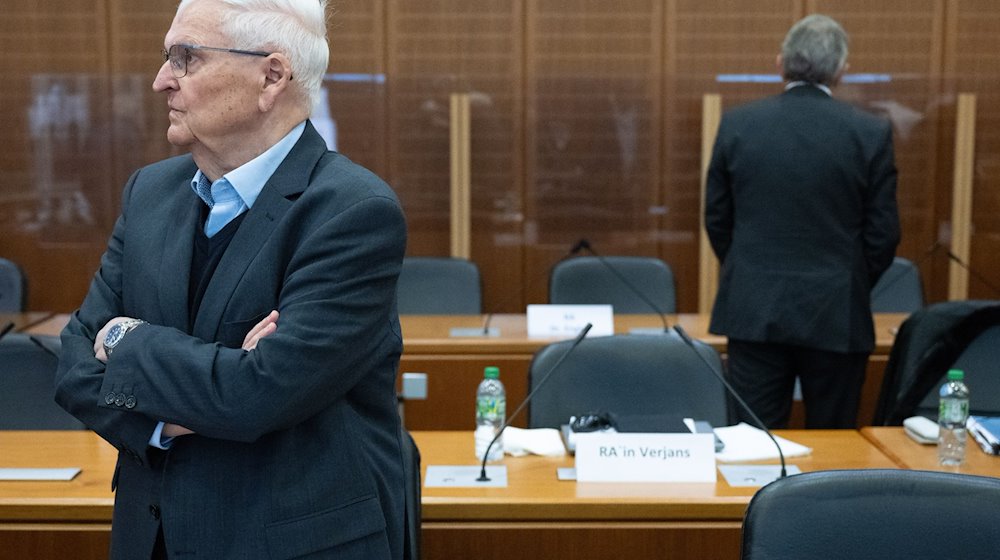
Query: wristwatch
[118,332]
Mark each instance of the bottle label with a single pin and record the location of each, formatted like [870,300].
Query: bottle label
[491,408]
[953,410]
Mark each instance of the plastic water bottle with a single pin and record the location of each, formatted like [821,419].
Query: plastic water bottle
[491,410]
[953,411]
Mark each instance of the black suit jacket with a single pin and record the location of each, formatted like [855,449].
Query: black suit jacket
[297,451]
[801,211]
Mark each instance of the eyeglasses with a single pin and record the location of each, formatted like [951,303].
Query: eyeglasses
[179,55]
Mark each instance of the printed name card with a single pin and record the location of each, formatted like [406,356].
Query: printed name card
[615,457]
[556,321]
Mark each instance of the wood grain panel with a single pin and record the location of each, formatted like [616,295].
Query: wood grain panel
[57,150]
[458,46]
[592,146]
[976,64]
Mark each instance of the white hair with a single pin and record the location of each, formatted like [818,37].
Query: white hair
[295,28]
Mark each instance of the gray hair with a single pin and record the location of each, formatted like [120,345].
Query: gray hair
[295,28]
[814,50]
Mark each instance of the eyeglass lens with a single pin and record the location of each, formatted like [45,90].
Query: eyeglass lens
[177,56]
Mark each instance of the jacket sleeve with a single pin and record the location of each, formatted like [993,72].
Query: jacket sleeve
[881,229]
[80,375]
[719,199]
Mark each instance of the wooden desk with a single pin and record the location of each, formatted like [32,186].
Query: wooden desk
[57,519]
[454,365]
[908,454]
[536,516]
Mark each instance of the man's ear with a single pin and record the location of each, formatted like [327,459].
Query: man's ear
[277,75]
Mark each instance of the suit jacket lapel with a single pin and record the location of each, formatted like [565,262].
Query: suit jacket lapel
[290,179]
[182,215]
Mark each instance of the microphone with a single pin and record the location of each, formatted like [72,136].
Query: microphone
[584,244]
[687,340]
[581,244]
[9,327]
[527,399]
[975,274]
[34,340]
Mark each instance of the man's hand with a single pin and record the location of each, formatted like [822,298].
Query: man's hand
[102,334]
[266,326]
[173,430]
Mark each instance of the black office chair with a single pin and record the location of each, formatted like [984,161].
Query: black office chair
[411,474]
[929,343]
[899,290]
[873,514]
[13,287]
[587,280]
[627,375]
[27,385]
[439,286]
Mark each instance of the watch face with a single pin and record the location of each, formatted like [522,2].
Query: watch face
[115,335]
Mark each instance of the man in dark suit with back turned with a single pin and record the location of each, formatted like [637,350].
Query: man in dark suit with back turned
[801,211]
[240,341]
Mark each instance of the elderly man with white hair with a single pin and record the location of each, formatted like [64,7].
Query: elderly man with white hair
[239,343]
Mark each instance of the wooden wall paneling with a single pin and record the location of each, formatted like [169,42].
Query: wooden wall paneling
[593,144]
[976,67]
[900,44]
[57,155]
[355,85]
[435,49]
[711,46]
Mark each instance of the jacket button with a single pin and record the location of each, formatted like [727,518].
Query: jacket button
[110,398]
[119,399]
[130,401]
[155,512]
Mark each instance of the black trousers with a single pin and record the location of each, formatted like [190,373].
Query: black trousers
[764,375]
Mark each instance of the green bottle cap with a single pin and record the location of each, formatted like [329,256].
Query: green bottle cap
[491,372]
[956,375]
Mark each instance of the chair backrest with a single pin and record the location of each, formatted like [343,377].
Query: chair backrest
[928,343]
[873,514]
[587,280]
[27,385]
[633,374]
[439,286]
[899,290]
[12,287]
[411,477]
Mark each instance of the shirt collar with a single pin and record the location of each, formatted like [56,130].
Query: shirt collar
[248,180]
[798,83]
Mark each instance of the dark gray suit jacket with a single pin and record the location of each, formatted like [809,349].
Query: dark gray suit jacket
[297,452]
[801,210]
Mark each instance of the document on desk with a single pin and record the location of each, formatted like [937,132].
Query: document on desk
[743,442]
[39,474]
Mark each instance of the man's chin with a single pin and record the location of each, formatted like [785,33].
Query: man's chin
[179,138]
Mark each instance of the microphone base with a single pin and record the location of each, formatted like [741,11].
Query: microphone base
[474,332]
[754,475]
[465,476]
[647,330]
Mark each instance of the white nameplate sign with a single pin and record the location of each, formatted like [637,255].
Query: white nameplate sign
[615,457]
[557,321]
